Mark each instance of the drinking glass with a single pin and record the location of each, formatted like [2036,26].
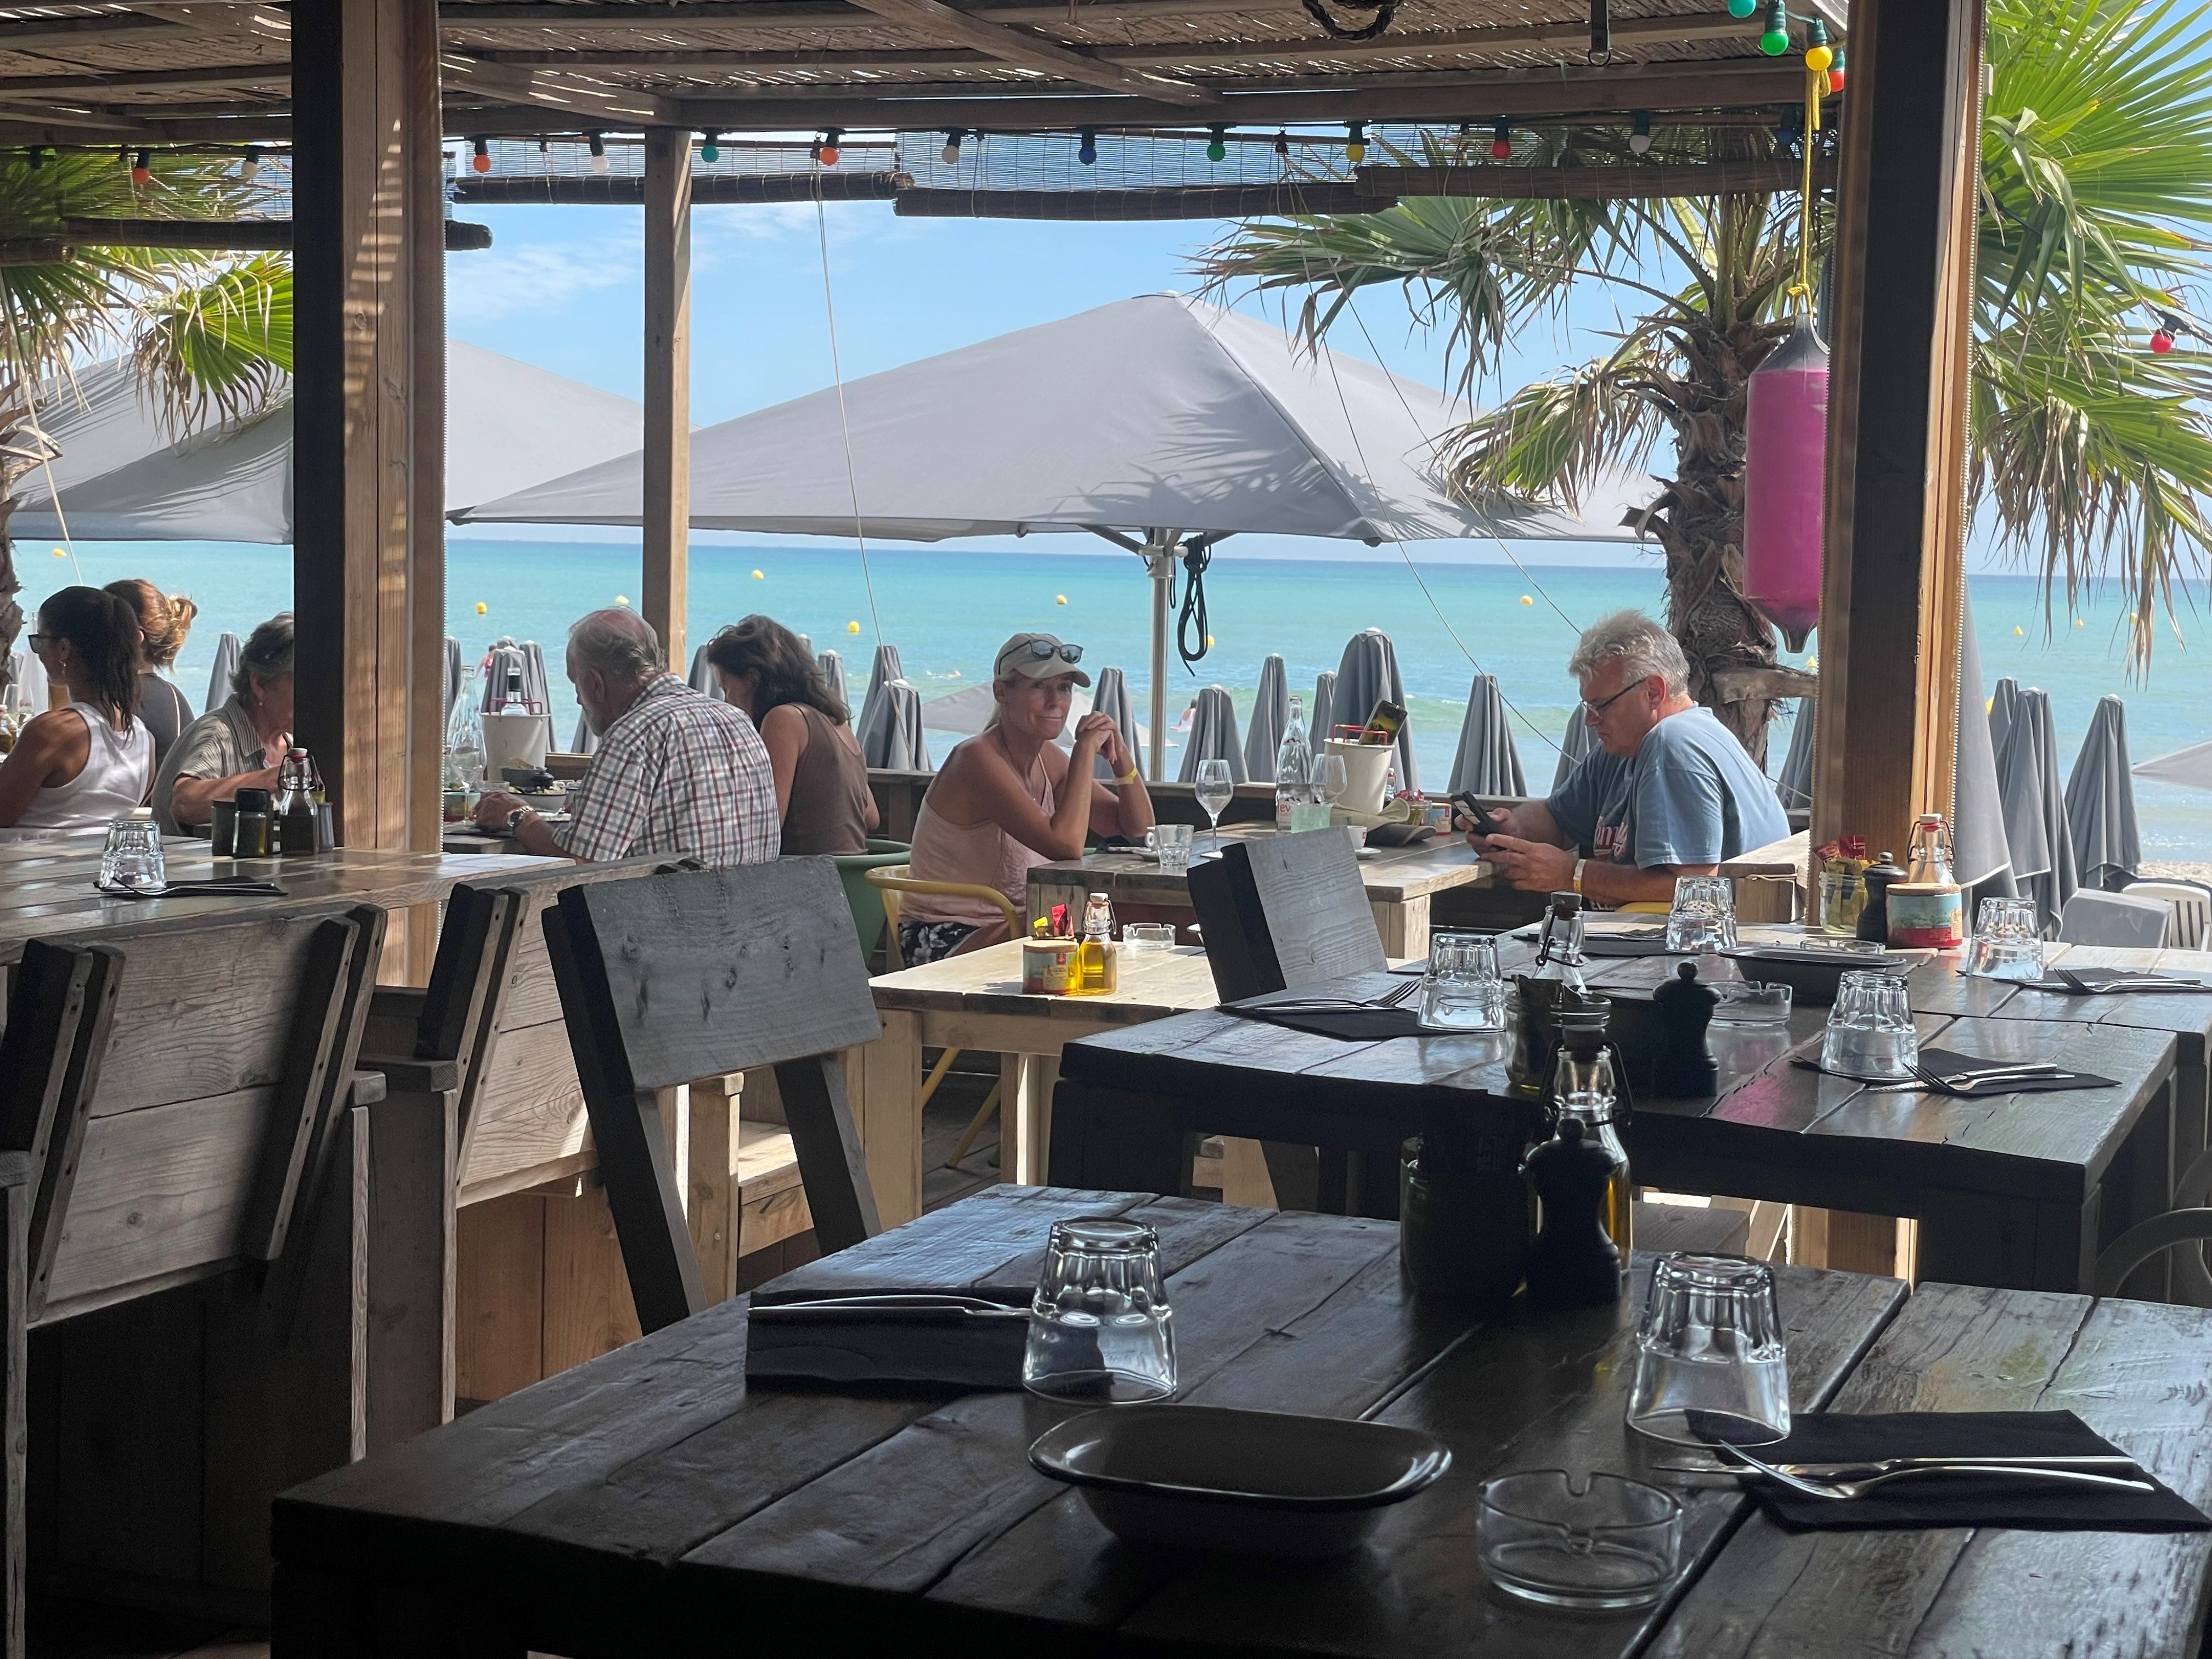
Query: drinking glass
[1870,1033]
[1215,793]
[1704,916]
[1172,842]
[2008,941]
[1100,1331]
[133,857]
[1461,990]
[1611,1542]
[1329,779]
[1710,1361]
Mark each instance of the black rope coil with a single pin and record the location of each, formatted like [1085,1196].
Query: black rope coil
[1384,10]
[1195,557]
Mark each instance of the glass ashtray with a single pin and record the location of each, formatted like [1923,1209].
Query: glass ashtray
[1143,936]
[1752,1003]
[1609,1543]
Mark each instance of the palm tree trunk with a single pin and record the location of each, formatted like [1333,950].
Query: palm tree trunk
[11,614]
[1701,528]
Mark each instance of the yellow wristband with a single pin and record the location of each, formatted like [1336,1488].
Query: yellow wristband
[1579,863]
[1129,777]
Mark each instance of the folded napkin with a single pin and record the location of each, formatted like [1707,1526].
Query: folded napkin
[958,1336]
[2111,981]
[1347,1024]
[1940,1063]
[1963,1500]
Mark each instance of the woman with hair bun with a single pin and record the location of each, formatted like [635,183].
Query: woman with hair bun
[81,767]
[164,620]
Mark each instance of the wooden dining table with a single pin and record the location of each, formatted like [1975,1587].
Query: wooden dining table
[1402,882]
[652,1502]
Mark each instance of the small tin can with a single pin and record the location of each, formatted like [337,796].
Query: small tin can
[1047,966]
[1924,915]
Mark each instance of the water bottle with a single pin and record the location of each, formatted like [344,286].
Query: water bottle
[465,743]
[1293,767]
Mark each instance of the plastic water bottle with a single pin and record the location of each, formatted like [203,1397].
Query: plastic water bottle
[1293,767]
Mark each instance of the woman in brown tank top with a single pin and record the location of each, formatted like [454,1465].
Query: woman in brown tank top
[821,781]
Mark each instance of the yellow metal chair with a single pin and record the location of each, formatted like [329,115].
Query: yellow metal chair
[893,881]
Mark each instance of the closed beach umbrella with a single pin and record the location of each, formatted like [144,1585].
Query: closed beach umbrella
[703,678]
[1487,763]
[1319,718]
[587,741]
[1981,857]
[1795,787]
[1213,736]
[2190,767]
[1110,697]
[2100,801]
[1575,744]
[1270,718]
[2065,879]
[833,676]
[533,676]
[891,728]
[1368,674]
[227,651]
[2020,787]
[885,669]
[452,686]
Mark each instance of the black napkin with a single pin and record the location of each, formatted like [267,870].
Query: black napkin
[1940,1062]
[2110,983]
[849,1335]
[1963,1500]
[1347,1024]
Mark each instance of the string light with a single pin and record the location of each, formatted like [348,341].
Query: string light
[36,156]
[1217,149]
[1776,41]
[1501,142]
[122,155]
[1086,151]
[950,153]
[2169,328]
[826,151]
[250,168]
[1818,55]
[599,153]
[1639,135]
[480,154]
[1742,8]
[141,169]
[1355,143]
[1836,72]
[1282,143]
[711,151]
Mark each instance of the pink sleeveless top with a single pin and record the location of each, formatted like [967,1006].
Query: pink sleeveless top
[982,855]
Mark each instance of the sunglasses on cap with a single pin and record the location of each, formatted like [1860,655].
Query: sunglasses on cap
[1042,650]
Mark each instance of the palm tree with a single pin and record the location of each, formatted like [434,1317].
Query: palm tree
[211,336]
[2094,456]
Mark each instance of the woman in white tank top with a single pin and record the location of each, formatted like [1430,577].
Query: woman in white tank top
[81,767]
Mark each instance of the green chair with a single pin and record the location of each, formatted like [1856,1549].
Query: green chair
[866,899]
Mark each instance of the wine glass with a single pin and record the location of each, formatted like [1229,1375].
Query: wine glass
[1329,779]
[1214,791]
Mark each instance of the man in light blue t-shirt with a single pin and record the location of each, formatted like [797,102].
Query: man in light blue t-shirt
[1668,792]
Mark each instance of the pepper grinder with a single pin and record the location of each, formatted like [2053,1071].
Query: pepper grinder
[1873,917]
[1573,1263]
[1684,1065]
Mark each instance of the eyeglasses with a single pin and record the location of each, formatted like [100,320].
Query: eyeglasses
[39,641]
[1045,650]
[1592,710]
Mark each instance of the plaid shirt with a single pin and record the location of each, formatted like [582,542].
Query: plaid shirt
[679,773]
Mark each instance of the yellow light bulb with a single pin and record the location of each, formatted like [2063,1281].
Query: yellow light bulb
[1818,59]
[482,608]
[852,627]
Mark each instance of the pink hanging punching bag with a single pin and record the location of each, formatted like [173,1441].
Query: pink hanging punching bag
[1784,462]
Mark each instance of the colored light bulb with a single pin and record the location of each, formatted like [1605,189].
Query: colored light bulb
[1087,151]
[481,157]
[1836,72]
[1217,149]
[250,168]
[827,152]
[141,169]
[1776,41]
[1639,136]
[2161,341]
[598,148]
[1501,142]
[1355,145]
[1742,8]
[1818,55]
[950,153]
[711,151]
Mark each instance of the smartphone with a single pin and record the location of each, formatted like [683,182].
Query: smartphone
[1487,823]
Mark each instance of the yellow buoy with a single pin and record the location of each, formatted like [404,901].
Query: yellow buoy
[1059,598]
[759,576]
[61,552]
[482,608]
[622,599]
[1525,599]
[2019,633]
[2078,623]
[1812,665]
[852,627]
[1209,641]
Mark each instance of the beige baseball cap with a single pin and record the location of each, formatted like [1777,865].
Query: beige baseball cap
[1039,657]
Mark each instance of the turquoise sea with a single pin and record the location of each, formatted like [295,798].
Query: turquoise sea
[947,610]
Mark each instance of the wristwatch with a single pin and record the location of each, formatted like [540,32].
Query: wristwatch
[1579,863]
[524,809]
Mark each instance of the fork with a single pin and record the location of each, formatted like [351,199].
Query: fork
[2104,987]
[1389,999]
[1843,1490]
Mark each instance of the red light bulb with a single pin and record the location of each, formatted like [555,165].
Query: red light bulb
[1501,150]
[2161,341]
[828,155]
[481,162]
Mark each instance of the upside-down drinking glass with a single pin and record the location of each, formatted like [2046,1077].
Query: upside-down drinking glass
[132,858]
[1870,1031]
[1710,1361]
[1704,916]
[2008,941]
[1099,1323]
[1461,990]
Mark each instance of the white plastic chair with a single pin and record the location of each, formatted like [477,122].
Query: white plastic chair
[2192,910]
[2113,918]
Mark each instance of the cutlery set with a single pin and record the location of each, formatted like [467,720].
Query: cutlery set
[1391,999]
[1843,1481]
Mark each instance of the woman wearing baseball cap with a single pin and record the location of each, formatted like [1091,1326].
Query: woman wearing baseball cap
[1010,798]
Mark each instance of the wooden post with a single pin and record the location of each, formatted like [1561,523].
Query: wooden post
[425,583]
[668,386]
[1891,594]
[353,563]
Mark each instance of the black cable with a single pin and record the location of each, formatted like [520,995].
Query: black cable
[1383,10]
[1196,555]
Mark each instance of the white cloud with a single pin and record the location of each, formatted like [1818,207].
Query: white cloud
[542,276]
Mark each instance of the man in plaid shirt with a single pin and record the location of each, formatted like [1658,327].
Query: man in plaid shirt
[676,773]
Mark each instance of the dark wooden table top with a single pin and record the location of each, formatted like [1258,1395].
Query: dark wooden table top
[648,1503]
[47,887]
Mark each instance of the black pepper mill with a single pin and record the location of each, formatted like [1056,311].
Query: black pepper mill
[1573,1263]
[1684,1065]
[1873,918]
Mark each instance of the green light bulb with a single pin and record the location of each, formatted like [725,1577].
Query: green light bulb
[1742,8]
[1774,43]
[1217,151]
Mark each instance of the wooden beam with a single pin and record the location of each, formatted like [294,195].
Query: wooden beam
[667,582]
[1626,182]
[19,32]
[1013,44]
[708,190]
[235,75]
[236,235]
[591,103]
[1198,202]
[263,24]
[429,235]
[1889,613]
[33,251]
[351,411]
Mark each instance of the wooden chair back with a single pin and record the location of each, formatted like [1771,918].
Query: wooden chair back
[893,880]
[1282,912]
[695,974]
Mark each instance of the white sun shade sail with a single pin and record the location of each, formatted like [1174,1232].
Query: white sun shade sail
[1159,412]
[127,474]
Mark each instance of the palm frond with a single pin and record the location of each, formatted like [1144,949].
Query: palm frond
[222,346]
[1554,439]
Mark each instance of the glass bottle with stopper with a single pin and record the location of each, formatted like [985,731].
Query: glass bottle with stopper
[1293,768]
[1555,980]
[1585,1090]
[1575,1262]
[1097,966]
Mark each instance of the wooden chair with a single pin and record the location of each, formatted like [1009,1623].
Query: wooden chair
[699,974]
[893,881]
[226,1276]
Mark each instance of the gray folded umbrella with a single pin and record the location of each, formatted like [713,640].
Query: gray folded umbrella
[1575,744]
[891,728]
[1214,737]
[2190,767]
[1318,717]
[2100,801]
[454,671]
[505,654]
[885,669]
[586,741]
[227,650]
[1487,763]
[833,676]
[1795,787]
[703,678]
[1368,674]
[2065,877]
[2019,784]
[1110,697]
[533,676]
[1270,718]
[1981,857]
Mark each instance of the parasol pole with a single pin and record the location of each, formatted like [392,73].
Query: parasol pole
[1160,561]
